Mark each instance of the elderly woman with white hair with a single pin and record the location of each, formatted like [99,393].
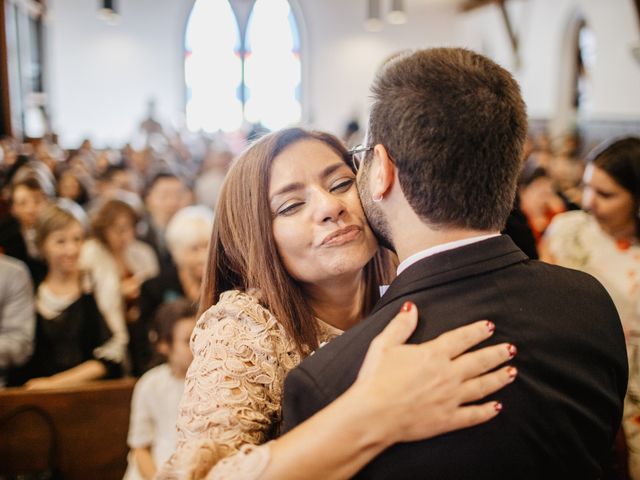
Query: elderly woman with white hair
[187,237]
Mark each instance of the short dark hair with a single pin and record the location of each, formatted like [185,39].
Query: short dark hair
[157,177]
[454,123]
[168,314]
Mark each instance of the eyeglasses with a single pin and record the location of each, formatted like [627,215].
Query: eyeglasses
[358,154]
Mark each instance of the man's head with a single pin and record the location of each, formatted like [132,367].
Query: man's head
[450,125]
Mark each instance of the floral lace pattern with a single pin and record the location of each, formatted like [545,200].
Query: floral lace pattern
[233,389]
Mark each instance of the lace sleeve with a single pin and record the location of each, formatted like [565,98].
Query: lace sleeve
[233,388]
[246,464]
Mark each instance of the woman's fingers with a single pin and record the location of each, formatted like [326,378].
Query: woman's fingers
[465,417]
[462,339]
[479,387]
[399,328]
[394,334]
[481,361]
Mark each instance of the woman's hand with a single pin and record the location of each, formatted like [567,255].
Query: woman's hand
[41,383]
[422,390]
[130,287]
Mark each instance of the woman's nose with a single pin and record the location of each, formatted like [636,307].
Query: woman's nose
[588,199]
[328,208]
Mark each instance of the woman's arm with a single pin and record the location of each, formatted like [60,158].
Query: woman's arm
[232,388]
[396,385]
[86,371]
[144,462]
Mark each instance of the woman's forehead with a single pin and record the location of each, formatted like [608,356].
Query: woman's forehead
[303,160]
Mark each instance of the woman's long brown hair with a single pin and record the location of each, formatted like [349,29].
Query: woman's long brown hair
[243,255]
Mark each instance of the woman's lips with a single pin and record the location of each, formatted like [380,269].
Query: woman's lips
[341,236]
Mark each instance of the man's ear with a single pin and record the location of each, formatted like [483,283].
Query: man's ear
[383,172]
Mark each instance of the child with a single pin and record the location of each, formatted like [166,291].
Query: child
[156,396]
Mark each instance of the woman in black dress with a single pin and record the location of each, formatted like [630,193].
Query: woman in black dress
[70,331]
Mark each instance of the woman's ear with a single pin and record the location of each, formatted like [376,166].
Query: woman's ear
[383,173]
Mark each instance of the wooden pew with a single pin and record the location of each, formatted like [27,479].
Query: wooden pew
[82,430]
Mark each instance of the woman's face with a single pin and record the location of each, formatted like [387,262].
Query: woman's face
[191,256]
[120,233]
[319,226]
[61,248]
[69,187]
[611,205]
[26,205]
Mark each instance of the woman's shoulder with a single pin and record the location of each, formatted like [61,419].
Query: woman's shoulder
[141,258]
[569,222]
[241,306]
[239,318]
[94,253]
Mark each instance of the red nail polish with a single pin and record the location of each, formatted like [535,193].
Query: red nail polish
[491,326]
[512,372]
[512,350]
[406,306]
[497,406]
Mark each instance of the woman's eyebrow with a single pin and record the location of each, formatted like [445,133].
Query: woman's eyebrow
[332,168]
[292,187]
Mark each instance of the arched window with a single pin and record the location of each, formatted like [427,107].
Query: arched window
[585,63]
[231,78]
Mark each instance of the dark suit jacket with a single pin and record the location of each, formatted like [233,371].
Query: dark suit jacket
[560,415]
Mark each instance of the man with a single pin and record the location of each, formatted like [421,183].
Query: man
[437,181]
[165,195]
[17,315]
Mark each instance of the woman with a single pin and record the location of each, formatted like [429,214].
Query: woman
[187,237]
[292,263]
[538,200]
[604,240]
[118,264]
[27,198]
[70,331]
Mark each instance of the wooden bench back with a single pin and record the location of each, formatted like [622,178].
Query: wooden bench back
[82,431]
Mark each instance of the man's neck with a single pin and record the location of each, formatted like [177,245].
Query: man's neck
[422,237]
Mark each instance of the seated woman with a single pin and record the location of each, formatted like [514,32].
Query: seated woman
[70,331]
[289,269]
[27,199]
[187,236]
[118,264]
[538,200]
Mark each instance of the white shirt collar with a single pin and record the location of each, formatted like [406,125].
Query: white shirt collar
[443,247]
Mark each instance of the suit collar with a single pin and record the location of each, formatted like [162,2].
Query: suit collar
[453,265]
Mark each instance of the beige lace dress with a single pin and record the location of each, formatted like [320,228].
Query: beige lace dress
[233,391]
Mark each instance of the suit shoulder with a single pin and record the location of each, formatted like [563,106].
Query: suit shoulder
[338,362]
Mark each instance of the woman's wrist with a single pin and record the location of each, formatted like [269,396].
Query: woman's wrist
[369,416]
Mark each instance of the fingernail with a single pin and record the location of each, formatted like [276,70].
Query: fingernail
[512,350]
[512,372]
[491,326]
[406,307]
[497,406]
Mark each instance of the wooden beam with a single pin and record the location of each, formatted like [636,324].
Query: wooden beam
[513,38]
[468,5]
[5,105]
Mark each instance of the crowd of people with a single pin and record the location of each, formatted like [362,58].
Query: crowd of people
[113,264]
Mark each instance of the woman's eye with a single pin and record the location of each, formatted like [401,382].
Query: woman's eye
[604,194]
[342,186]
[289,209]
